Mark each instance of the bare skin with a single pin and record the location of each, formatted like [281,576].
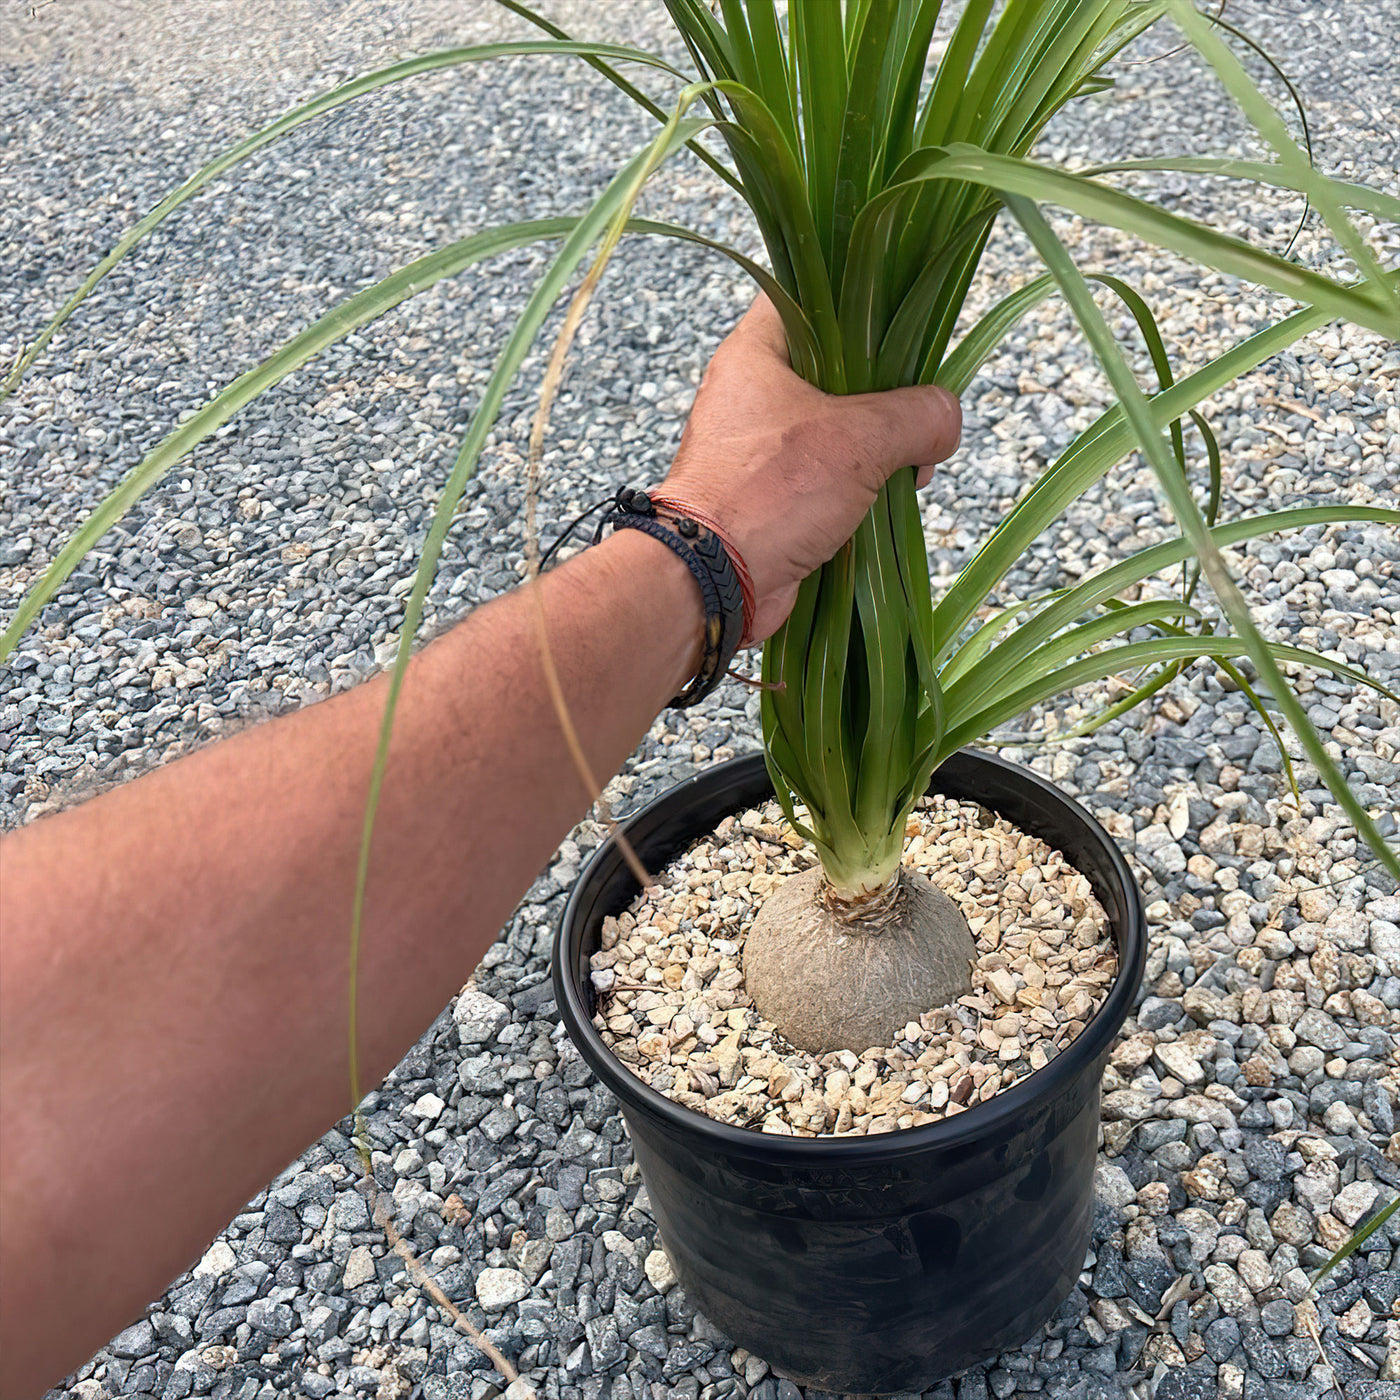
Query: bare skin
[173,953]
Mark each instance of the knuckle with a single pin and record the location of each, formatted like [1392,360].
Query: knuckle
[863,442]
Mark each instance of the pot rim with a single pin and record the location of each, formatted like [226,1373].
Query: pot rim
[984,1120]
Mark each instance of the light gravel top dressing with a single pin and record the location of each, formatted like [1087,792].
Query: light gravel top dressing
[673,1008]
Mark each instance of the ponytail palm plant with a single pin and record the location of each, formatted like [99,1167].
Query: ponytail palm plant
[876,161]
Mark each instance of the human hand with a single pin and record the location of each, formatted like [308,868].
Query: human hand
[787,471]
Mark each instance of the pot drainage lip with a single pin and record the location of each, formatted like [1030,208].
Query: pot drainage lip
[1008,1110]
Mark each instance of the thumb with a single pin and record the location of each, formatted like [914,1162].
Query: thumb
[914,427]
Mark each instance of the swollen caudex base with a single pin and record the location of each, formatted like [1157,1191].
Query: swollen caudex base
[833,975]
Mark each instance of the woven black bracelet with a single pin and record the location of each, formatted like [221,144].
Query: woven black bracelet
[709,563]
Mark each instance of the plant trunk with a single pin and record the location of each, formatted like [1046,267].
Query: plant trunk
[834,973]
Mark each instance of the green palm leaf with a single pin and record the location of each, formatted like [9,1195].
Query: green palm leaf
[1320,190]
[1258,172]
[334,326]
[1014,176]
[1106,441]
[357,311]
[1066,606]
[289,122]
[976,723]
[1139,413]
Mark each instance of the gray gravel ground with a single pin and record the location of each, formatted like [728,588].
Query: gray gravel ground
[1250,1108]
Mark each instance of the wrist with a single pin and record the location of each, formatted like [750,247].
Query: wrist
[684,514]
[664,604]
[724,589]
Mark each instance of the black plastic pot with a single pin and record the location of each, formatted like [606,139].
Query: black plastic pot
[885,1263]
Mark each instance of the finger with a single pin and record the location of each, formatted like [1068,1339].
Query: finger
[761,327]
[918,426]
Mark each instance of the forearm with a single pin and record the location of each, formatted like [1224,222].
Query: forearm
[173,962]
[202,982]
